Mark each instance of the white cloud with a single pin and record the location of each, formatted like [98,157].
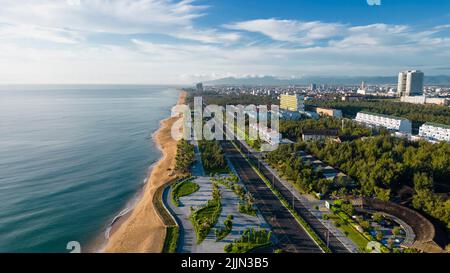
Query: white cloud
[54,35]
[72,54]
[290,30]
[169,17]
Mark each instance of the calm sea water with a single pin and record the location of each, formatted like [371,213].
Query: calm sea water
[71,158]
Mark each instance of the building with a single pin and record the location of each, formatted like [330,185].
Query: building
[288,115]
[319,134]
[292,102]
[435,131]
[335,113]
[199,87]
[362,90]
[267,134]
[351,98]
[389,122]
[425,100]
[313,87]
[438,101]
[410,83]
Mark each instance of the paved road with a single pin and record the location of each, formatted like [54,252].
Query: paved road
[334,243]
[290,234]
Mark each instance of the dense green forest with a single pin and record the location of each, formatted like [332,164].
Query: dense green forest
[348,129]
[417,113]
[212,156]
[185,156]
[380,165]
[287,161]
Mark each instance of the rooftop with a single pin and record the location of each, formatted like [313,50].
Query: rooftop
[325,132]
[445,126]
[382,115]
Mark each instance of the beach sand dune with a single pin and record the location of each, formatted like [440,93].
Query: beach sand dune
[142,231]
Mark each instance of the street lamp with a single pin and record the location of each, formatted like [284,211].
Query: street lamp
[293,197]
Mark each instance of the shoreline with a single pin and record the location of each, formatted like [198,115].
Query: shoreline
[140,229]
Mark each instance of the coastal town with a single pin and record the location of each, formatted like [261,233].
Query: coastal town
[341,180]
[225,135]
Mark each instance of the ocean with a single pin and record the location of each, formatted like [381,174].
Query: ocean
[72,158]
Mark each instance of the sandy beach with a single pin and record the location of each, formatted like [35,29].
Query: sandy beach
[142,230]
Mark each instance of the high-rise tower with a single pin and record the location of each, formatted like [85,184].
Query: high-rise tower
[410,83]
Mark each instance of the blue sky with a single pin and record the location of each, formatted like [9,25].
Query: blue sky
[185,41]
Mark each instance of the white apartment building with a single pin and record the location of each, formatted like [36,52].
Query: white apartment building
[435,131]
[267,134]
[410,83]
[389,122]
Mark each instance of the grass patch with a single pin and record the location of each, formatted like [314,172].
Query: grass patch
[350,232]
[181,189]
[170,243]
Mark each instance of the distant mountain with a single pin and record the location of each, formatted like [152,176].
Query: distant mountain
[271,80]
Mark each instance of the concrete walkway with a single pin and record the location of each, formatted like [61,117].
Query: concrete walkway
[187,242]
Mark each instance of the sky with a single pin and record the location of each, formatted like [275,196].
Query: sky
[187,41]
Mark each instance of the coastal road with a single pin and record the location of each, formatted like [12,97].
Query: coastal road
[334,243]
[291,236]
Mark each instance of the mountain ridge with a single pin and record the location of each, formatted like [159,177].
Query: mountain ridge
[351,80]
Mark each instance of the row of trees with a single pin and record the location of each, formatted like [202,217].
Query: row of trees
[185,156]
[417,113]
[286,159]
[212,156]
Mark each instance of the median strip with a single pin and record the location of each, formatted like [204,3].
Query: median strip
[286,204]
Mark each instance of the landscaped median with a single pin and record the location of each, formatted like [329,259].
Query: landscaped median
[206,217]
[285,203]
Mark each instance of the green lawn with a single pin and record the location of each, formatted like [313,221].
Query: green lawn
[352,234]
[183,189]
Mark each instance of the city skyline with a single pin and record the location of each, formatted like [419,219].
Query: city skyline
[183,42]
